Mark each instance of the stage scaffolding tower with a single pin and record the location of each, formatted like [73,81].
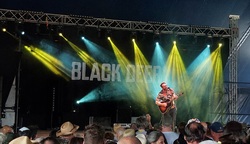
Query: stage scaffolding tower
[233,61]
[151,27]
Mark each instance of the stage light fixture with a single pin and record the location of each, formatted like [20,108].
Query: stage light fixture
[174,42]
[157,37]
[109,38]
[108,33]
[220,44]
[59,30]
[4,29]
[208,46]
[133,36]
[22,32]
[81,32]
[209,41]
[19,27]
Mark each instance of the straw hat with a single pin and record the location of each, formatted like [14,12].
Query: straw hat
[129,132]
[21,140]
[116,127]
[142,138]
[67,128]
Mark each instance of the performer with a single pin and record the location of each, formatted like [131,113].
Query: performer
[165,101]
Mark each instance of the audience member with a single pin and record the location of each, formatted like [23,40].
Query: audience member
[93,134]
[168,132]
[148,118]
[216,130]
[128,132]
[119,133]
[156,137]
[76,140]
[181,130]
[9,134]
[157,126]
[142,125]
[66,132]
[206,126]
[129,140]
[22,140]
[194,132]
[133,126]
[2,137]
[233,132]
[142,138]
[109,137]
[33,131]
[49,140]
[24,131]
[52,133]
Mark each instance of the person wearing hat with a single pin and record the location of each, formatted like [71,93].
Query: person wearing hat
[66,132]
[128,132]
[216,130]
[22,140]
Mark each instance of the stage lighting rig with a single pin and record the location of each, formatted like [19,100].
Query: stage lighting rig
[108,33]
[157,36]
[133,36]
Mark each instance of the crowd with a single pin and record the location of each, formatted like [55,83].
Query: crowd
[142,131]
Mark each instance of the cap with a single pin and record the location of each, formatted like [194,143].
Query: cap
[217,127]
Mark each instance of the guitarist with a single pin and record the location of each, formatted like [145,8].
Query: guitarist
[165,101]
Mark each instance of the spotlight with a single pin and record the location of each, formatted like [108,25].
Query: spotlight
[109,38]
[22,32]
[220,44]
[174,42]
[59,30]
[133,36]
[209,41]
[81,32]
[208,46]
[108,34]
[82,37]
[157,43]
[156,37]
[4,29]
[19,27]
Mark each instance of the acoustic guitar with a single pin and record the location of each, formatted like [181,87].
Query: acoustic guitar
[170,104]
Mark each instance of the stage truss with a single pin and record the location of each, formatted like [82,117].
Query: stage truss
[232,33]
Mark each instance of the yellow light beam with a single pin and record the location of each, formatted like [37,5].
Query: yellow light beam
[50,62]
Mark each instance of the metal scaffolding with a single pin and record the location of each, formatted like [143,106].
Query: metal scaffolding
[233,79]
[151,27]
[103,23]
